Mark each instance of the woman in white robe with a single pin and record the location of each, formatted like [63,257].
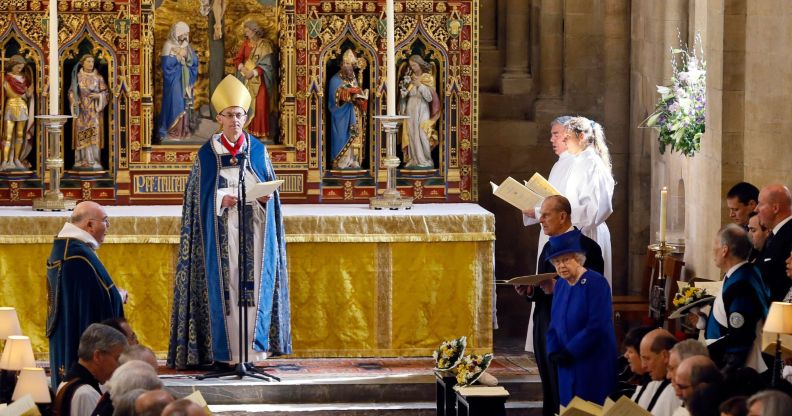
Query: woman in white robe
[589,187]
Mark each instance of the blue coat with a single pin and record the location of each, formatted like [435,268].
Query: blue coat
[745,302]
[80,292]
[581,322]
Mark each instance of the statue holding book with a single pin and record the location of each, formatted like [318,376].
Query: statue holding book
[347,103]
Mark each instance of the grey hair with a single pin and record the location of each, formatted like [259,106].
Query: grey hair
[124,405]
[735,238]
[594,135]
[581,258]
[134,374]
[99,337]
[78,218]
[136,352]
[773,402]
[689,348]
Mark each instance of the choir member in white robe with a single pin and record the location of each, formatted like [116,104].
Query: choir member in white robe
[558,178]
[589,186]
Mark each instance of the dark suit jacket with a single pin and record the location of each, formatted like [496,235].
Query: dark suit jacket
[773,265]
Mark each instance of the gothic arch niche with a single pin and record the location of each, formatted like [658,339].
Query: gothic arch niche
[365,73]
[104,62]
[436,60]
[13,43]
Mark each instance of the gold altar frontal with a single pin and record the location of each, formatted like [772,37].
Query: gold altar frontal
[363,283]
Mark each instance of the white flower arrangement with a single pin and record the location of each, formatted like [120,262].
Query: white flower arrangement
[449,353]
[681,109]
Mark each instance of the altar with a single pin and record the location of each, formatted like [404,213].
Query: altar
[363,282]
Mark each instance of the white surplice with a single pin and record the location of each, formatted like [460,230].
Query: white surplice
[558,177]
[589,189]
[231,175]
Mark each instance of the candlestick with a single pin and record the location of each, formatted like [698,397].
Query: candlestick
[53,58]
[390,58]
[663,209]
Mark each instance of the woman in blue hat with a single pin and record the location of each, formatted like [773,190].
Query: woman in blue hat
[581,340]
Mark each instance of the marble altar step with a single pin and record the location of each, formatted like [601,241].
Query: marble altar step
[351,387]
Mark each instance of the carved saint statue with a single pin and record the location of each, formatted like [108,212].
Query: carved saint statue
[179,72]
[88,98]
[17,110]
[347,104]
[256,69]
[419,101]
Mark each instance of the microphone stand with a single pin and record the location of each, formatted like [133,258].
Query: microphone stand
[243,367]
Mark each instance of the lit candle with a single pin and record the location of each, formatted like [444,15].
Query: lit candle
[663,209]
[391,58]
[53,58]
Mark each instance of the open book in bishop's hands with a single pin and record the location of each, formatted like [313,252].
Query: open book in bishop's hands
[259,189]
[524,196]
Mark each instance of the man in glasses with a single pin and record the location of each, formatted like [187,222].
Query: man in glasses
[205,318]
[80,292]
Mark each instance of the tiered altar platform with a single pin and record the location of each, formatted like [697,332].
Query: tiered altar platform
[364,283]
[352,387]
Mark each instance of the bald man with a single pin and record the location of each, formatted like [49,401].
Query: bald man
[80,292]
[152,402]
[658,397]
[774,211]
[693,372]
[183,407]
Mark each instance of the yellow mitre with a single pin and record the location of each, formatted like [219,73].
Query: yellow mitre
[349,57]
[230,92]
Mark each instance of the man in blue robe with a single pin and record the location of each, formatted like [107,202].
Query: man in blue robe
[179,72]
[733,331]
[581,340]
[347,110]
[80,292]
[205,317]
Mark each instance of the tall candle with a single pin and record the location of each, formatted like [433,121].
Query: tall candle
[390,58]
[53,58]
[663,209]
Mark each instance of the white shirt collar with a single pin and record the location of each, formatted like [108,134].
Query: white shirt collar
[734,268]
[565,154]
[70,230]
[781,224]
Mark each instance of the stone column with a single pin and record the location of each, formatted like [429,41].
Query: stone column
[515,78]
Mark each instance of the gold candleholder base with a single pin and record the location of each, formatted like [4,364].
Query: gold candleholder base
[391,198]
[53,199]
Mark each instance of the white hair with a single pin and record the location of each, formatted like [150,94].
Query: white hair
[132,375]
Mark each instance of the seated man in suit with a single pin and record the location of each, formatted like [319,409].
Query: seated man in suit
[775,211]
[556,219]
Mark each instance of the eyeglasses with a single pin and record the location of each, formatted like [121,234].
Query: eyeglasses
[238,116]
[104,220]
